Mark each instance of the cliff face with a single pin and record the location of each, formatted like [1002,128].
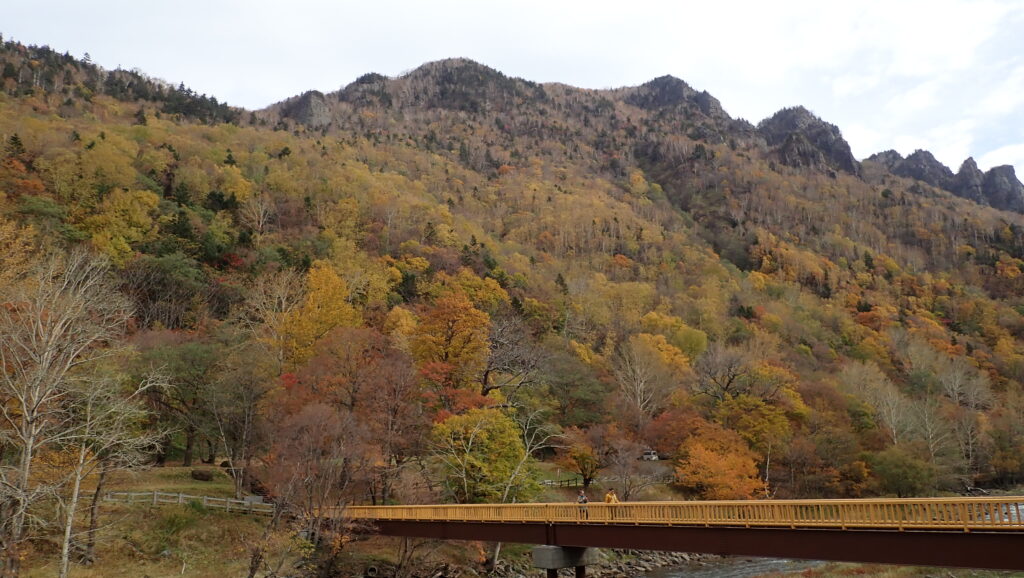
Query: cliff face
[923,166]
[804,140]
[310,109]
[1003,190]
[969,182]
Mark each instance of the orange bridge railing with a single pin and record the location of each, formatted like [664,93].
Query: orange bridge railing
[950,514]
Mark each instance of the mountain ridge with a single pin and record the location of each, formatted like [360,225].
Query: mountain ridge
[825,149]
[794,136]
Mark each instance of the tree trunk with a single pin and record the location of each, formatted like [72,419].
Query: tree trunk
[69,516]
[211,455]
[190,445]
[94,515]
[492,561]
[165,448]
[12,561]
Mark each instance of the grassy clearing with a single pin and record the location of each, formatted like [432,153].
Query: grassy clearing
[168,541]
[141,540]
[173,479]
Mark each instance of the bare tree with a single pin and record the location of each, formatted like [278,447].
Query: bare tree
[106,432]
[628,471]
[894,411]
[932,429]
[537,435]
[317,456]
[243,382]
[256,213]
[270,298]
[643,382]
[513,360]
[962,383]
[721,371]
[54,322]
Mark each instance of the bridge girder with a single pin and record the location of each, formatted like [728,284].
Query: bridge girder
[988,550]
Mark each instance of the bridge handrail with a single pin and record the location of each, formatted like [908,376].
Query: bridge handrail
[959,514]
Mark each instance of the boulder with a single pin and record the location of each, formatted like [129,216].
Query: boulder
[202,475]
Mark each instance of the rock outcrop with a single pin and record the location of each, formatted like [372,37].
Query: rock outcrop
[969,182]
[999,187]
[889,159]
[1003,190]
[310,109]
[804,140]
[923,166]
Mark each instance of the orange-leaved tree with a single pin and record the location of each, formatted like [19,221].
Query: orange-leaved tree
[716,464]
[450,346]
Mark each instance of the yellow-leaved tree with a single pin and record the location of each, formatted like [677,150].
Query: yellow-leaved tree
[125,217]
[483,458]
[324,308]
[15,250]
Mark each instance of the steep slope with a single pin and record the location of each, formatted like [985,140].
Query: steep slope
[580,231]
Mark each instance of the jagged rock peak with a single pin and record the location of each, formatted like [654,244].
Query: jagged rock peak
[889,159]
[788,120]
[661,92]
[669,92]
[969,182]
[923,166]
[1003,190]
[803,139]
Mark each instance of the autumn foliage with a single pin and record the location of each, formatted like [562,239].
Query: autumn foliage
[390,307]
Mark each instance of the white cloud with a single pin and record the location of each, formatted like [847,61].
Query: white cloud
[914,101]
[1007,155]
[848,85]
[951,143]
[864,140]
[1006,97]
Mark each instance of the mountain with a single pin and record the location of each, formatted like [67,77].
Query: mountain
[632,267]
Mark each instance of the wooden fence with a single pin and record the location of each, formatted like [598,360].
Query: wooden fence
[161,498]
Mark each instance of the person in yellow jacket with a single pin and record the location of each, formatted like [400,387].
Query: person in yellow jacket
[611,498]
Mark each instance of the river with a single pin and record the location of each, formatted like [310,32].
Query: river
[735,568]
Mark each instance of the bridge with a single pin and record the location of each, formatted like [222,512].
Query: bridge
[958,532]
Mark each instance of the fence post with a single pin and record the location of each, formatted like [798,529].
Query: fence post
[204,501]
[181,499]
[155,494]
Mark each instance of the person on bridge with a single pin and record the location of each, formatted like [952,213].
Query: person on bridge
[583,500]
[611,498]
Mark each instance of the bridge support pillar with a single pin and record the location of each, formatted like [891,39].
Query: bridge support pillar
[552,558]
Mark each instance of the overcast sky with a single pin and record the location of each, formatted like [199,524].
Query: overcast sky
[944,75]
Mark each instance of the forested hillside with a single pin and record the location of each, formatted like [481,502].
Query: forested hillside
[416,288]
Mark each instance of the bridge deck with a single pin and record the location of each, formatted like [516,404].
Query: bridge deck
[964,532]
[949,514]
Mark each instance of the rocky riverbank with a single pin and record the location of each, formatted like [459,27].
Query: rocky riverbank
[614,564]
